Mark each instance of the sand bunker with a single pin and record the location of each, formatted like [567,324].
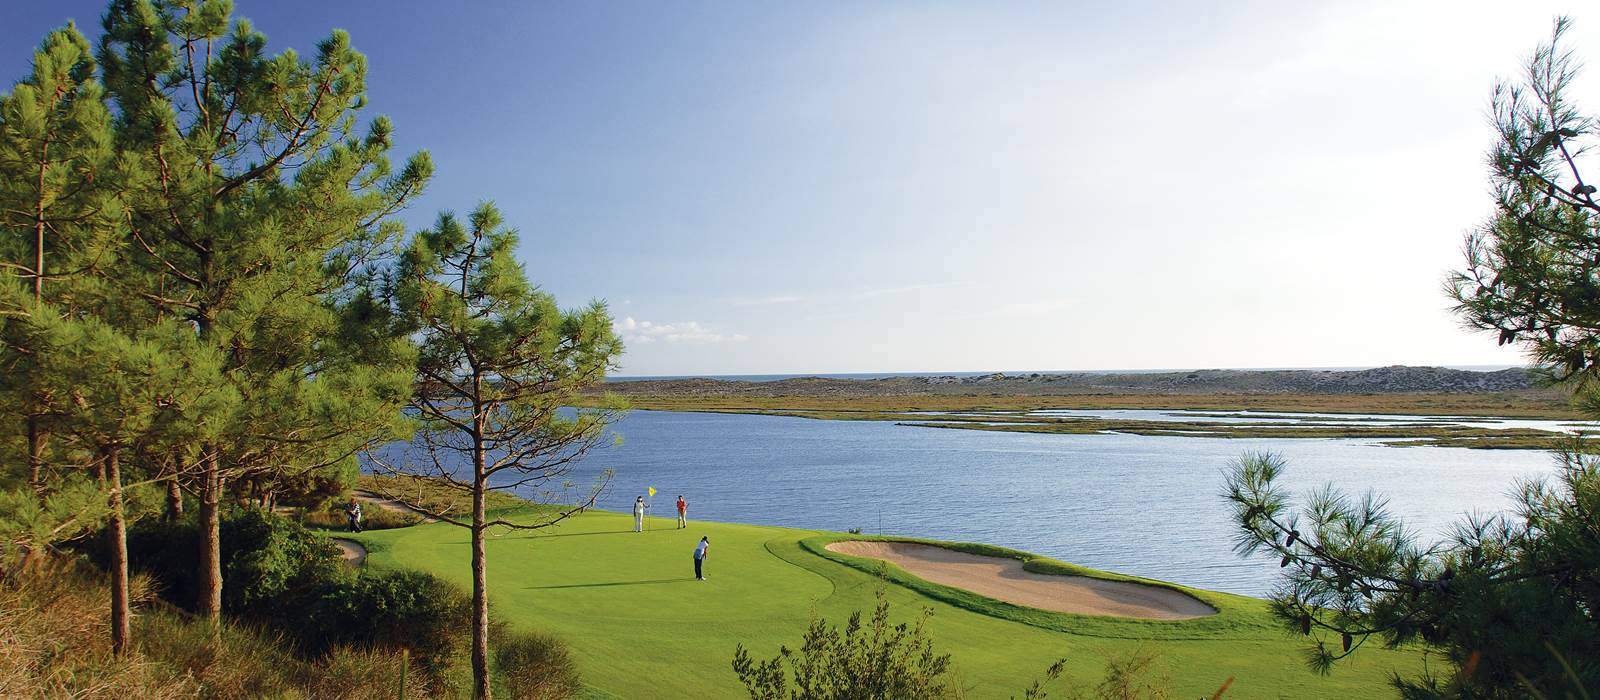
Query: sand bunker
[1004,579]
[352,552]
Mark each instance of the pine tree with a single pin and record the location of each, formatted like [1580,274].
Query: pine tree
[1509,600]
[56,210]
[499,362]
[121,393]
[261,211]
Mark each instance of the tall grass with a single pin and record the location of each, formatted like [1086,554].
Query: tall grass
[55,642]
[535,666]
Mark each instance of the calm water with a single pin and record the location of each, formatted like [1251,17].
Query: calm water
[1147,506]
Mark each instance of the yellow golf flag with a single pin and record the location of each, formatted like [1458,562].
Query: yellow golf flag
[652,490]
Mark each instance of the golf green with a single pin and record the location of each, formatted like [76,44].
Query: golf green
[641,626]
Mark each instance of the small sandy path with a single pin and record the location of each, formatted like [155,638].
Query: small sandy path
[354,554]
[1004,579]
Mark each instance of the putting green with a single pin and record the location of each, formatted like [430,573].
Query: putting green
[642,627]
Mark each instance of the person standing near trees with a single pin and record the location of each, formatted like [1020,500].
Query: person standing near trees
[639,507]
[354,512]
[683,512]
[700,558]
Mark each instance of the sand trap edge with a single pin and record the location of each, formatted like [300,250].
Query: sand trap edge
[1003,578]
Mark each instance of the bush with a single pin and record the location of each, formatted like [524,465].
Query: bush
[291,581]
[393,609]
[1133,676]
[872,662]
[535,666]
[269,563]
[55,641]
[271,566]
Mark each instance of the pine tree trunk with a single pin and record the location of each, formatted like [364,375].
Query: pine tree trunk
[35,440]
[38,229]
[209,605]
[480,583]
[209,577]
[35,456]
[174,510]
[118,532]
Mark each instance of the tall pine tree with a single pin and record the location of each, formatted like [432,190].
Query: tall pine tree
[58,206]
[499,362]
[122,392]
[263,207]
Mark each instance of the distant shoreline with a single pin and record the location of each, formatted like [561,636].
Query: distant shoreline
[779,376]
[1396,379]
[1006,402]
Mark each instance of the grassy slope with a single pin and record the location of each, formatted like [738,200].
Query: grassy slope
[642,627]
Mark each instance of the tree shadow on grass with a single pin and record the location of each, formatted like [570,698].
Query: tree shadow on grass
[616,583]
[538,535]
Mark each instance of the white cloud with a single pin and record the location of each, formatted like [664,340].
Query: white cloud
[691,332]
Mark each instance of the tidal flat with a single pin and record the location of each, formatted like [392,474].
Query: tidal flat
[1511,420]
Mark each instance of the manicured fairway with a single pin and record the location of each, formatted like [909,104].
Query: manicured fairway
[642,627]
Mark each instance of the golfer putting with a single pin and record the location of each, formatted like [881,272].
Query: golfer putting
[700,558]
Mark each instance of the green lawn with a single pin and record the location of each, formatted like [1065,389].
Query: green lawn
[642,627]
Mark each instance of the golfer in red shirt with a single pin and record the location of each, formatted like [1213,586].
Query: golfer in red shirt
[683,512]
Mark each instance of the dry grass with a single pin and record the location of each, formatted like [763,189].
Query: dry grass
[535,666]
[55,642]
[372,518]
[433,494]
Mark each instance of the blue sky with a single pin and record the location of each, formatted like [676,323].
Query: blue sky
[837,186]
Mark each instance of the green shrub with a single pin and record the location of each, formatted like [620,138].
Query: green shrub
[291,581]
[1134,675]
[55,642]
[269,563]
[272,565]
[534,666]
[392,609]
[871,662]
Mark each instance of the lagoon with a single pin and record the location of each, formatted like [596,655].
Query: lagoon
[1141,505]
